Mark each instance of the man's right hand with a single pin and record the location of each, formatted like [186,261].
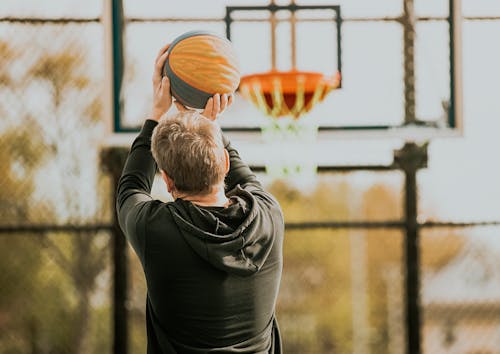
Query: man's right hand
[214,107]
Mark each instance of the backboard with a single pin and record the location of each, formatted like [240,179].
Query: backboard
[400,61]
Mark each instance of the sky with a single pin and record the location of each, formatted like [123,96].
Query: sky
[461,182]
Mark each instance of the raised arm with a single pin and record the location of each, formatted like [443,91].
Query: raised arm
[135,184]
[139,170]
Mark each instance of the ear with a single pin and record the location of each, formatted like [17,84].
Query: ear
[226,155]
[168,181]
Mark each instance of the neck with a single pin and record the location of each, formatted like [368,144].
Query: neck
[216,198]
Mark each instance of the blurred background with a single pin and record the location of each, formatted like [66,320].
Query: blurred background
[68,283]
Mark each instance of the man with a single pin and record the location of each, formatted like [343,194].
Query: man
[213,257]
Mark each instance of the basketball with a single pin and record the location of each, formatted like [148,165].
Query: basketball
[199,65]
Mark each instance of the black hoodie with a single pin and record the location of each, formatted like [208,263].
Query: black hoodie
[212,273]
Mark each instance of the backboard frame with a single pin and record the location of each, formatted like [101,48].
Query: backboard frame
[412,131]
[292,7]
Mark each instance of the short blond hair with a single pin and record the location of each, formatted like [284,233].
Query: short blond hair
[189,148]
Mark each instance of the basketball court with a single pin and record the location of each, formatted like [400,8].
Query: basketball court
[374,121]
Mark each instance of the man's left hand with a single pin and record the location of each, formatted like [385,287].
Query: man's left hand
[162,98]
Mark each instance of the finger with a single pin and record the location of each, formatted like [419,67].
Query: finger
[159,61]
[180,106]
[165,84]
[223,102]
[216,105]
[158,73]
[208,110]
[162,50]
[159,64]
[230,100]
[163,91]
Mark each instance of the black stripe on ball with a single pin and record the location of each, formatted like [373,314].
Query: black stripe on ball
[186,94]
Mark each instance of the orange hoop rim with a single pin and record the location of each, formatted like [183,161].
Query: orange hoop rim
[271,91]
[288,80]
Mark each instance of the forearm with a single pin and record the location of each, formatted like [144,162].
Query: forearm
[140,168]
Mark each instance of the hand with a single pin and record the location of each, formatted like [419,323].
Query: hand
[162,98]
[214,107]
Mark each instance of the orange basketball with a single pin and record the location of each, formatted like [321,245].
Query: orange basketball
[199,65]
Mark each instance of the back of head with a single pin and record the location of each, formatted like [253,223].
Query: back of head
[189,148]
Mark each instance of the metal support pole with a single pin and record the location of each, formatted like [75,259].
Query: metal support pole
[455,112]
[113,160]
[408,20]
[293,40]
[338,20]
[272,20]
[114,24]
[412,263]
[411,158]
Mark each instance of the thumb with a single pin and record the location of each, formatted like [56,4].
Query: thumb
[180,106]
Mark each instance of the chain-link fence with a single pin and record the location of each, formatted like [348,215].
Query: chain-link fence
[344,282]
[55,204]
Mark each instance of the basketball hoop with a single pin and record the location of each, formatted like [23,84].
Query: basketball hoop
[287,93]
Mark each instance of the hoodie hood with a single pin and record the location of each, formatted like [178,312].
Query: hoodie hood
[236,239]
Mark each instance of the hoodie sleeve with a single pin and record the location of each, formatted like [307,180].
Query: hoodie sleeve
[134,186]
[239,172]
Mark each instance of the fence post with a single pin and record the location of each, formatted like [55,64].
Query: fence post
[410,159]
[113,160]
